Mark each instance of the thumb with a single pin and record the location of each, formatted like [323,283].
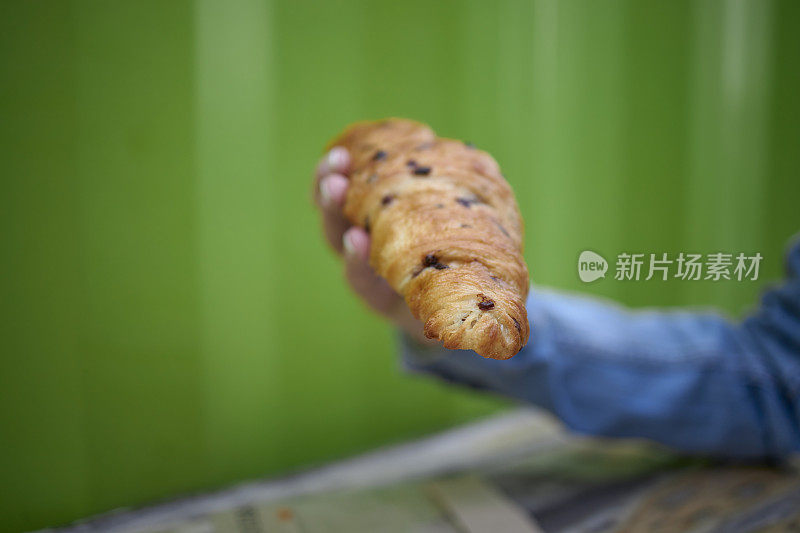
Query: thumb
[375,291]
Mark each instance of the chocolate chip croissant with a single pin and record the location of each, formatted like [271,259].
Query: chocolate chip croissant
[446,233]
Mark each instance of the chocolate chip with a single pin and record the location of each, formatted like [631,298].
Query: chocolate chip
[486,305]
[379,155]
[422,171]
[500,226]
[465,226]
[467,202]
[386,200]
[516,324]
[430,260]
[411,163]
[439,206]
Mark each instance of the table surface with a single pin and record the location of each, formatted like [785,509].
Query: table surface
[516,472]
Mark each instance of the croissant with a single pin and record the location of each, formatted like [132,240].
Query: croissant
[446,233]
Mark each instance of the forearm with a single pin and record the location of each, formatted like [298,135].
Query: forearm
[693,381]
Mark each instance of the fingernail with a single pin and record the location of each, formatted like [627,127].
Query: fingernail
[349,249]
[325,192]
[337,158]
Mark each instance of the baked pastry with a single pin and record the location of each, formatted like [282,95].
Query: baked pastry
[446,233]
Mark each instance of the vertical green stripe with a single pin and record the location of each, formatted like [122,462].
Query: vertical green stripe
[543,212]
[236,207]
[43,437]
[140,372]
[731,83]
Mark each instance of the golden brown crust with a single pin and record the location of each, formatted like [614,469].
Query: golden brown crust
[446,233]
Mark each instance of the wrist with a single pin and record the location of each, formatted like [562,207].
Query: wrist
[413,327]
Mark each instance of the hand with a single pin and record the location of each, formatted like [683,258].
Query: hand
[353,243]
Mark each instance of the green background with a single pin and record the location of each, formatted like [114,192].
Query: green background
[172,320]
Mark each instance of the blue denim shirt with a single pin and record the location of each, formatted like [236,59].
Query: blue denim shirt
[694,381]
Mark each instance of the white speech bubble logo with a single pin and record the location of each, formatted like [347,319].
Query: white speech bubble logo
[591,266]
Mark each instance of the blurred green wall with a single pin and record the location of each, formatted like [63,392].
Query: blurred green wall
[171,318]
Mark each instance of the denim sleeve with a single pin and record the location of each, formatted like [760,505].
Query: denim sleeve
[694,381]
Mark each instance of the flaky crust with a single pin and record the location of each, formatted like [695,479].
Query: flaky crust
[446,233]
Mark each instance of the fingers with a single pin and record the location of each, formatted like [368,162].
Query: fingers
[371,287]
[329,193]
[336,161]
[332,189]
[356,246]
